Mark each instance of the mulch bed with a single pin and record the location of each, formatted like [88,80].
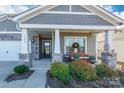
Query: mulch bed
[121,74]
[15,76]
[101,83]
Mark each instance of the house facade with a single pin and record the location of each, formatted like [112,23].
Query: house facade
[49,31]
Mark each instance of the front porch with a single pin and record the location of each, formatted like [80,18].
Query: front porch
[38,44]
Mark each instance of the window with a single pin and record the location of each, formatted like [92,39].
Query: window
[68,41]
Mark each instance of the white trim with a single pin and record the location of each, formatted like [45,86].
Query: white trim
[70,8]
[96,44]
[107,13]
[50,26]
[82,37]
[120,27]
[31,13]
[57,49]
[10,32]
[25,41]
[26,13]
[104,14]
[61,12]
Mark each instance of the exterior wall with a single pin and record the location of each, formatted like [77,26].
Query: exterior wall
[91,45]
[78,8]
[10,37]
[68,19]
[8,25]
[91,41]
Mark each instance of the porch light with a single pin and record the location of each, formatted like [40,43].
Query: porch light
[35,38]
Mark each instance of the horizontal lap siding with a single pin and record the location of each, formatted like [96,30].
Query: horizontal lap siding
[8,25]
[78,8]
[10,37]
[68,19]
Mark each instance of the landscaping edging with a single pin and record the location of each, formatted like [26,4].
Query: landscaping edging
[15,76]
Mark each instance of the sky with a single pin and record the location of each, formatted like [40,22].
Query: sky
[15,9]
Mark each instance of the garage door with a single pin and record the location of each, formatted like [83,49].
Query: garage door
[9,50]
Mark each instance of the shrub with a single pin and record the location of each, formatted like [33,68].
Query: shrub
[21,69]
[61,72]
[82,71]
[102,70]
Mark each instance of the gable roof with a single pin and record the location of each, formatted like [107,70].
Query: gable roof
[94,9]
[6,24]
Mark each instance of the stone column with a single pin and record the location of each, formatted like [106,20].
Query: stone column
[25,56]
[108,41]
[109,57]
[57,52]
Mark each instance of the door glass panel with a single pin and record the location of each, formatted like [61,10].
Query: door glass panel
[46,48]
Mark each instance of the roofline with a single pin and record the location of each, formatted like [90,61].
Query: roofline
[26,11]
[111,13]
[99,8]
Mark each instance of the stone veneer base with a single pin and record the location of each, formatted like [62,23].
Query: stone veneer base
[110,59]
[25,59]
[56,57]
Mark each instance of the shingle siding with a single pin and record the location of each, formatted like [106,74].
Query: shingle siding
[60,8]
[8,25]
[68,19]
[74,8]
[78,8]
[10,37]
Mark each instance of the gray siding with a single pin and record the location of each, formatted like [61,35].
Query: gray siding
[60,8]
[10,36]
[74,8]
[9,25]
[68,19]
[78,8]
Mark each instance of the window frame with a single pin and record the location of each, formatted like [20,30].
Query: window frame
[75,37]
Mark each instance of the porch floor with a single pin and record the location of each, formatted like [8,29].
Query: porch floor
[43,64]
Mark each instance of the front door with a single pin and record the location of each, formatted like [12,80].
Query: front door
[46,48]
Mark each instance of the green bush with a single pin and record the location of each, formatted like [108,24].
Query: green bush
[61,72]
[102,70]
[82,71]
[21,69]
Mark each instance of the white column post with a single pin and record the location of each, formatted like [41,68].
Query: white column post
[24,56]
[57,52]
[24,42]
[108,41]
[57,42]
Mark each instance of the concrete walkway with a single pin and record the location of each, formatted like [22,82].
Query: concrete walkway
[36,80]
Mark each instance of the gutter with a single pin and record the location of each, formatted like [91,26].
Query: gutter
[121,27]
